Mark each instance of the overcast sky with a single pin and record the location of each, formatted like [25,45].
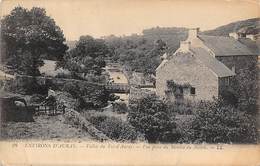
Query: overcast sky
[124,17]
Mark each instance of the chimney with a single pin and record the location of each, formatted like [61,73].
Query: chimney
[185,46]
[193,33]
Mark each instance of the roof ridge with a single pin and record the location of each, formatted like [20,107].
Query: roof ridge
[225,46]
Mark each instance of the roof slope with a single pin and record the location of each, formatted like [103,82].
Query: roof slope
[252,45]
[212,63]
[225,46]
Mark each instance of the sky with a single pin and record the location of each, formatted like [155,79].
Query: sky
[124,17]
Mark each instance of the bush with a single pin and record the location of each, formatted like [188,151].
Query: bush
[120,107]
[215,122]
[118,130]
[25,85]
[177,108]
[88,95]
[151,117]
[114,128]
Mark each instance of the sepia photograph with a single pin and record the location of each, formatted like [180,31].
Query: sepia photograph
[153,72]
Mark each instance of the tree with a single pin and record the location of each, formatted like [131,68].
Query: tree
[216,122]
[88,94]
[87,57]
[149,116]
[30,36]
[246,87]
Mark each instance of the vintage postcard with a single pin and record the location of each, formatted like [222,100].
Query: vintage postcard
[129,82]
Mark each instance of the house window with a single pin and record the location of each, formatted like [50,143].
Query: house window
[192,91]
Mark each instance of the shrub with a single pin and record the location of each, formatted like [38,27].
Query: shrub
[215,122]
[114,128]
[177,108]
[118,130]
[25,85]
[151,117]
[120,107]
[88,95]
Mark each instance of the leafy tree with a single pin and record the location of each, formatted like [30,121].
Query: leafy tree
[29,36]
[87,57]
[88,94]
[216,122]
[150,116]
[246,89]
[137,53]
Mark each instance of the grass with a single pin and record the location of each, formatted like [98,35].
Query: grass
[44,127]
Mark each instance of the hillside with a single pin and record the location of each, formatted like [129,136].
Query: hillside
[141,53]
[250,26]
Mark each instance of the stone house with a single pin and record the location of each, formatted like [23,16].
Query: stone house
[203,67]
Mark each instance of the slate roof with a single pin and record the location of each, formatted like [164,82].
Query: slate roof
[252,45]
[225,46]
[212,63]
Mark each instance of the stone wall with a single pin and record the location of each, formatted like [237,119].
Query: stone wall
[183,70]
[75,118]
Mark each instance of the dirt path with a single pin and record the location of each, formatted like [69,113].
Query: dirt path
[44,127]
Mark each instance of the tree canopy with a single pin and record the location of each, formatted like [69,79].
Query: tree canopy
[137,53]
[151,117]
[216,122]
[28,37]
[87,57]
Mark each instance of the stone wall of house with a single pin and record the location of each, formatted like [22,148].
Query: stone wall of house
[183,70]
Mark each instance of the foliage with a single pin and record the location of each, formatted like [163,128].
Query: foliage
[150,117]
[25,85]
[216,122]
[114,128]
[180,108]
[87,94]
[246,89]
[229,97]
[29,36]
[137,53]
[87,57]
[118,130]
[120,107]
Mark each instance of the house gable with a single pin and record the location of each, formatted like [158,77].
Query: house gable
[185,68]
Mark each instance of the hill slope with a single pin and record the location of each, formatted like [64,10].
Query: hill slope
[250,26]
